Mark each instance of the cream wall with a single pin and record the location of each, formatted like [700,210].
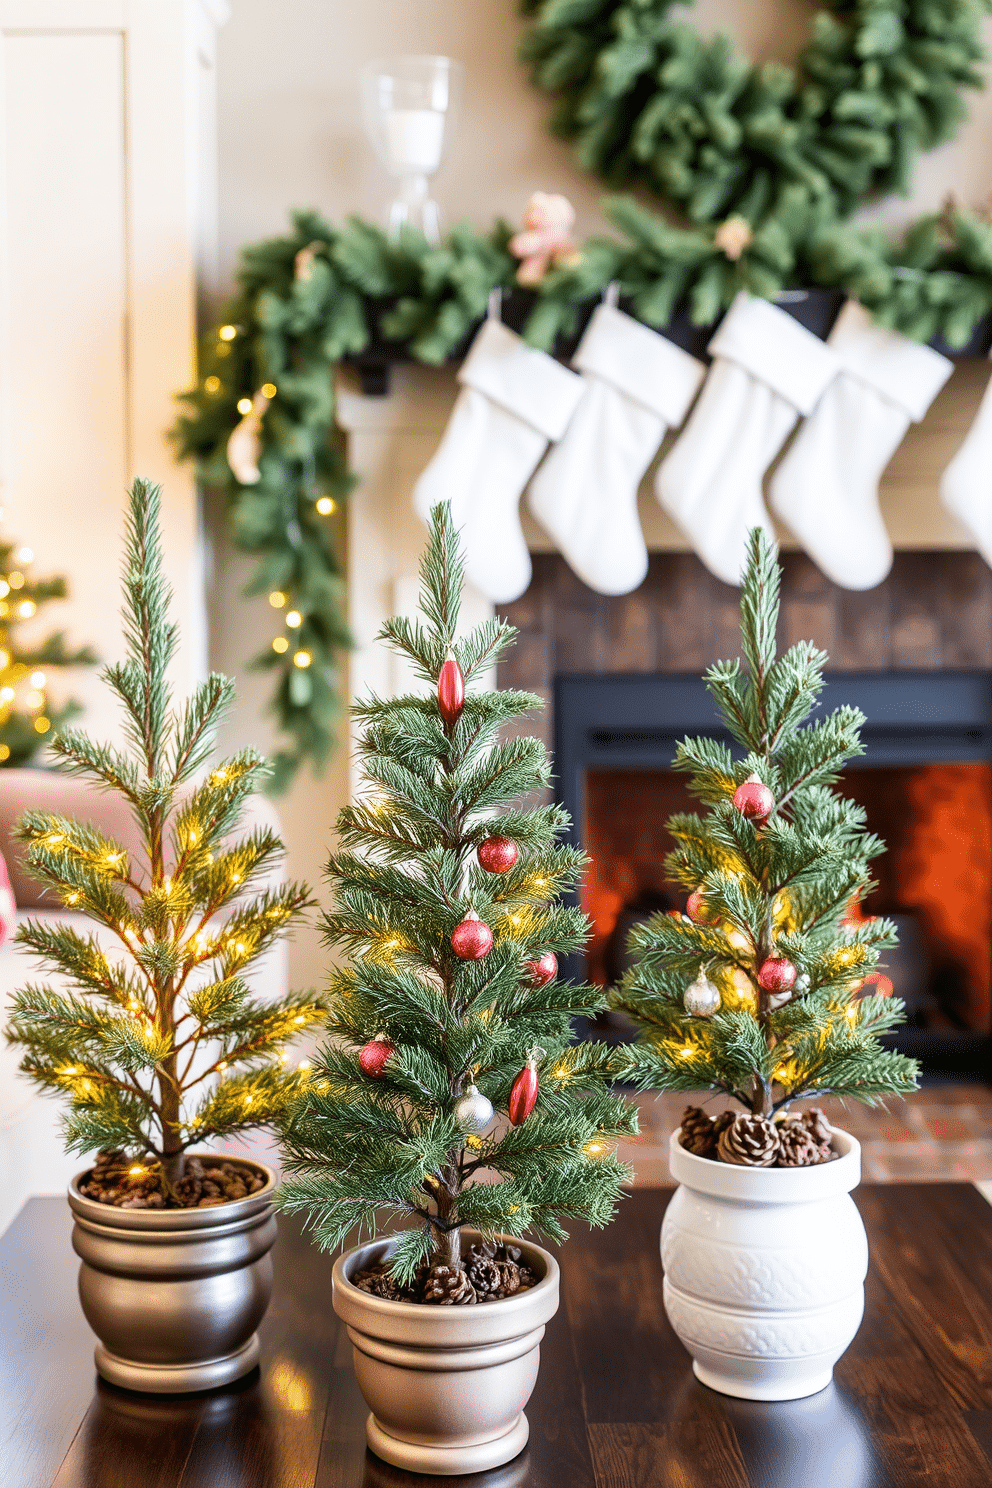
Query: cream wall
[290,135]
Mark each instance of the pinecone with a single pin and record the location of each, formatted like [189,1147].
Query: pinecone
[483,1272]
[697,1133]
[748,1141]
[445,1287]
[378,1283]
[797,1147]
[819,1127]
[492,1273]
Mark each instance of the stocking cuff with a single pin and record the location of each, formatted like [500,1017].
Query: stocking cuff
[640,364]
[526,382]
[908,374]
[776,349]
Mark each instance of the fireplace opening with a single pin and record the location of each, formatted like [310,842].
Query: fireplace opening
[925,782]
[935,880]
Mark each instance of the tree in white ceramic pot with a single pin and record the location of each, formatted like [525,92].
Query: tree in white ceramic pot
[762,992]
[150,1035]
[451,1099]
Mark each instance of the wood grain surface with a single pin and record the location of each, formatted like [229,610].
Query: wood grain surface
[616,1404]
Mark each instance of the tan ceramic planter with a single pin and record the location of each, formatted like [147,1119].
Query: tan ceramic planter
[446,1386]
[175,1295]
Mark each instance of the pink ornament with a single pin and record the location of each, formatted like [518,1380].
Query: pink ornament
[374,1056]
[543,970]
[546,240]
[450,692]
[776,975]
[695,908]
[497,854]
[753,799]
[472,939]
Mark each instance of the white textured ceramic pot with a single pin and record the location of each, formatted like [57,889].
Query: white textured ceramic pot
[764,1270]
[446,1386]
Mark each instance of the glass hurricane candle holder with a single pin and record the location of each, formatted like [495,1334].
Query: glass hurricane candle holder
[409,105]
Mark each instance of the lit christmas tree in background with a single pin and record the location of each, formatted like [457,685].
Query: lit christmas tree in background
[761,990]
[26,718]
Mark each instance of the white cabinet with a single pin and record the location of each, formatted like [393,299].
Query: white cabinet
[107,214]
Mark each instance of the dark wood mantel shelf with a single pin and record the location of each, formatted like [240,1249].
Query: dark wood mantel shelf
[616,1405]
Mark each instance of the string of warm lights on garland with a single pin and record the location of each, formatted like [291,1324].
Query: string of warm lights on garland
[26,716]
[761,161]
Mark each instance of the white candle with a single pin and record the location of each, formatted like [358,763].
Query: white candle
[413,140]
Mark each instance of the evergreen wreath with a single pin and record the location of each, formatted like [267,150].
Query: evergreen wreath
[646,97]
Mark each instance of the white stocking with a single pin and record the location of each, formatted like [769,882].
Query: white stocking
[966,485]
[826,488]
[637,385]
[767,370]
[512,402]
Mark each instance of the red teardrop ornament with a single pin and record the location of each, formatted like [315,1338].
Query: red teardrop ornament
[374,1056]
[776,975]
[497,854]
[523,1095]
[472,939]
[450,691]
[543,970]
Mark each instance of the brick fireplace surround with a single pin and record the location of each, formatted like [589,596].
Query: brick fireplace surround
[933,612]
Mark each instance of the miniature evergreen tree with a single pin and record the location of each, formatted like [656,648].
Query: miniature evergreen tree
[448,901]
[26,720]
[159,1045]
[756,991]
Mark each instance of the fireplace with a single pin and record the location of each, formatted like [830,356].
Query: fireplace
[925,782]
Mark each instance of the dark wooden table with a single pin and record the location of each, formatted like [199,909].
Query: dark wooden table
[616,1403]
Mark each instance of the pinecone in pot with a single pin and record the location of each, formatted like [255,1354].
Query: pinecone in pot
[697,1134]
[749,1141]
[819,1128]
[483,1272]
[447,1286]
[797,1146]
[492,1272]
[377,1281]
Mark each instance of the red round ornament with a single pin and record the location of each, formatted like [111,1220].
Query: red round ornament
[472,939]
[523,1093]
[450,691]
[776,975]
[374,1056]
[497,854]
[543,970]
[695,908]
[753,799]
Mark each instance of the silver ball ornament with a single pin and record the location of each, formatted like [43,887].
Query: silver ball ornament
[701,998]
[473,1111]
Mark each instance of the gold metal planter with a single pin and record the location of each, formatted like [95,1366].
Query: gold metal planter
[175,1295]
[446,1386]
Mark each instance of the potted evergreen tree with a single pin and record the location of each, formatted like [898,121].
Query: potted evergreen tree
[451,1097]
[760,992]
[157,1045]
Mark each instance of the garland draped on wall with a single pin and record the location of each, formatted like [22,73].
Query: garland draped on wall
[784,154]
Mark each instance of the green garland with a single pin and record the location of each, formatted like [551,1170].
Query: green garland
[648,98]
[292,331]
